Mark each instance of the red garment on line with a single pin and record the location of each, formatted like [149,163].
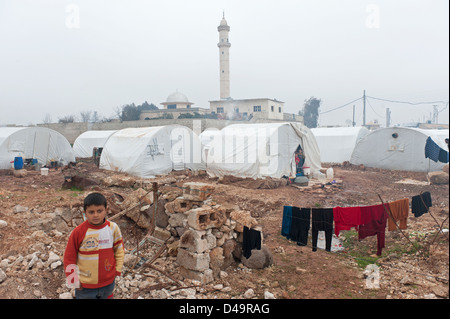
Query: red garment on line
[345,218]
[373,222]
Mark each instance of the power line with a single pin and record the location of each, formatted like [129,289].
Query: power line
[405,102]
[374,110]
[339,107]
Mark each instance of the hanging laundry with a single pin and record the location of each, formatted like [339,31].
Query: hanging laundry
[399,210]
[419,207]
[432,149]
[251,240]
[322,220]
[286,223]
[301,220]
[373,222]
[443,156]
[345,218]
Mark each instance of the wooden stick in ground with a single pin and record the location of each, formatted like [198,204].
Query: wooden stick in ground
[390,215]
[440,231]
[429,212]
[155,205]
[129,208]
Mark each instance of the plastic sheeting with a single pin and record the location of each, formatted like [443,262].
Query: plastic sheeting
[259,150]
[150,151]
[85,143]
[336,144]
[39,143]
[398,148]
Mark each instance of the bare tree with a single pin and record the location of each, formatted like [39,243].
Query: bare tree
[85,116]
[47,118]
[95,117]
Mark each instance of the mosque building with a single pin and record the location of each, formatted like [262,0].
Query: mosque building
[226,107]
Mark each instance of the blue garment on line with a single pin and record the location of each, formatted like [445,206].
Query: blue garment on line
[432,150]
[287,222]
[443,156]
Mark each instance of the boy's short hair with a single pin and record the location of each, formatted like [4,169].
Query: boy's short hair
[94,199]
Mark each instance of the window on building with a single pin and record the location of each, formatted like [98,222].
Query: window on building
[171,106]
[188,106]
[279,109]
[272,108]
[257,108]
[219,110]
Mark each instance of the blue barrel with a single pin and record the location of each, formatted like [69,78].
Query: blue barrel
[18,162]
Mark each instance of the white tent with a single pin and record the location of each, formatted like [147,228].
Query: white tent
[39,143]
[85,143]
[150,151]
[398,148]
[336,144]
[260,150]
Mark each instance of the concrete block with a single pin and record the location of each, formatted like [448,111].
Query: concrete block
[243,218]
[193,261]
[197,191]
[204,277]
[194,241]
[206,217]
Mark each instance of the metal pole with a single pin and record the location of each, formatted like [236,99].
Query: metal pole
[364,109]
[353,123]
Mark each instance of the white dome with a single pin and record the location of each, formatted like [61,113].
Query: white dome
[177,97]
[223,22]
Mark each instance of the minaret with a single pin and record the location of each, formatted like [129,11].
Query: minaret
[224,52]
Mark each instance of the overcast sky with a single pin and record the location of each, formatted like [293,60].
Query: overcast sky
[63,57]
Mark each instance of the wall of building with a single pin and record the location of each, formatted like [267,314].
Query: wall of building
[151,114]
[247,106]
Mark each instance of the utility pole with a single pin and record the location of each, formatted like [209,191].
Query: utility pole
[353,123]
[364,109]
[435,114]
[388,117]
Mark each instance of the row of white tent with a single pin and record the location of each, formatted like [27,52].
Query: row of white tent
[392,148]
[244,150]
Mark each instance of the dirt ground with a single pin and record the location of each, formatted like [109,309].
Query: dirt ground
[414,264]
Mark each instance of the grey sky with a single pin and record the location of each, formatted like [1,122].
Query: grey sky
[64,57]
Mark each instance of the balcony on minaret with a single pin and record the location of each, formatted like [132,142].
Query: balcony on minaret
[224,44]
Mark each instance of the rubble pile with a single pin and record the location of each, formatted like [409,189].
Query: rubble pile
[209,235]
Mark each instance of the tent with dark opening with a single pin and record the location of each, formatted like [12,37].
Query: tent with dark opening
[259,150]
[86,142]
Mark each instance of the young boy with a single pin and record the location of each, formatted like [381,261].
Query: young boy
[94,254]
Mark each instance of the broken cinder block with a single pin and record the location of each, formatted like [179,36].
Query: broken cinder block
[206,217]
[193,261]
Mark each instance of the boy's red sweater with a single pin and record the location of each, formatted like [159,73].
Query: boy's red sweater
[98,253]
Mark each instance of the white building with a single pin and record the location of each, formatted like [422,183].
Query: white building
[176,104]
[229,108]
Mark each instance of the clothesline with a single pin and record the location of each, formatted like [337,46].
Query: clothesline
[367,220]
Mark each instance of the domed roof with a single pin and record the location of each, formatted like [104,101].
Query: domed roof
[223,22]
[177,97]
